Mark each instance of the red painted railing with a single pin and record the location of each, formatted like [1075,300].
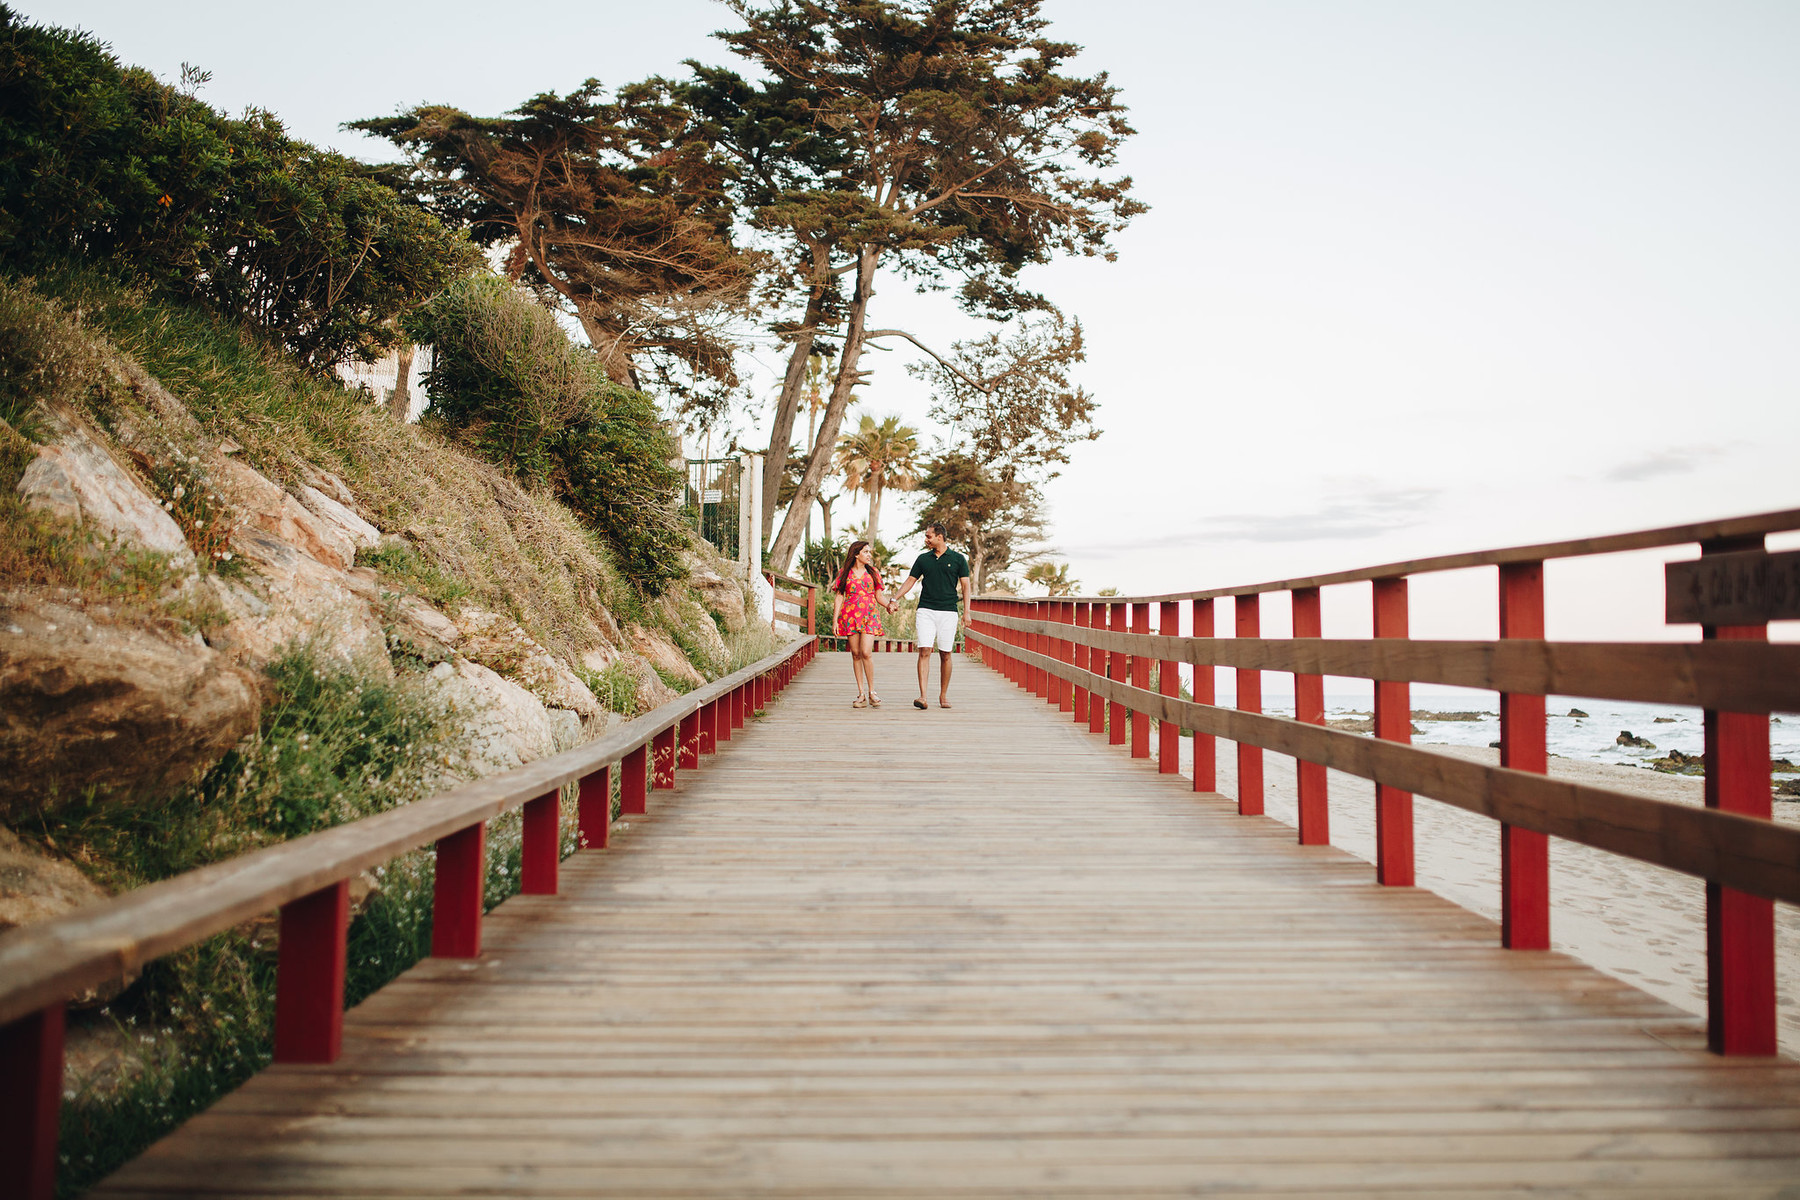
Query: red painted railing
[1099,653]
[308,881]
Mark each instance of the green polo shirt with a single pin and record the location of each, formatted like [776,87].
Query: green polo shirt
[937,575]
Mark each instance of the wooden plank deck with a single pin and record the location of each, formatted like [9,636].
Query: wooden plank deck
[979,953]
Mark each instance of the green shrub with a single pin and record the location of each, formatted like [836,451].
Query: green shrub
[105,163]
[507,380]
[334,744]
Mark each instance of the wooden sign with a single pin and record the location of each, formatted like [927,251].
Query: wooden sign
[1733,589]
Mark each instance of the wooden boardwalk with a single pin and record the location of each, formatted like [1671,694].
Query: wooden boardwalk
[977,953]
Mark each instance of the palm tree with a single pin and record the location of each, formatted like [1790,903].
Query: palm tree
[1055,579]
[880,454]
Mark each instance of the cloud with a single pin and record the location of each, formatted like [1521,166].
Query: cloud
[1365,515]
[1663,462]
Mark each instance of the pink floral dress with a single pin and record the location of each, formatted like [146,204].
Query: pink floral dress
[856,607]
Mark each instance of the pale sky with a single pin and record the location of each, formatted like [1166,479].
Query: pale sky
[1418,277]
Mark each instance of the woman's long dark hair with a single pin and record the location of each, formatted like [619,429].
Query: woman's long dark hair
[841,585]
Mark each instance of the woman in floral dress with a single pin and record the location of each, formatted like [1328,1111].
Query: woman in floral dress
[860,592]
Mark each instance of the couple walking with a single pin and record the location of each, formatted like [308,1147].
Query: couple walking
[944,576]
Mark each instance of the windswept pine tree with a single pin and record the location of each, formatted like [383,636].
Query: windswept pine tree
[960,153]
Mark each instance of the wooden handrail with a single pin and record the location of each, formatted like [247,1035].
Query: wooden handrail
[1753,855]
[1079,652]
[1748,675]
[1648,539]
[44,963]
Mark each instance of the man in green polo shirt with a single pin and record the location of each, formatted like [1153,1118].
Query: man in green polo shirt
[944,575]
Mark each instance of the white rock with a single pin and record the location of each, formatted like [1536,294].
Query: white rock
[663,653]
[500,644]
[77,478]
[567,724]
[503,724]
[274,511]
[717,592]
[340,518]
[303,601]
[428,619]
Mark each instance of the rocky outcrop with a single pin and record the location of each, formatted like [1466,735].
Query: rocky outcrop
[503,724]
[663,653]
[301,600]
[35,886]
[1630,740]
[126,709]
[341,519]
[718,593]
[499,644]
[268,508]
[75,478]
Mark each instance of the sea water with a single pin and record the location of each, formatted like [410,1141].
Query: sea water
[1577,728]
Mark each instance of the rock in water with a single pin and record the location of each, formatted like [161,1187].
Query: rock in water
[126,709]
[1627,738]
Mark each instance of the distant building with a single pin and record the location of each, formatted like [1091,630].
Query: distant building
[378,378]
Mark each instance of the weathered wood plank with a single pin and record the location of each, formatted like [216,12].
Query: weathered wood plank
[978,953]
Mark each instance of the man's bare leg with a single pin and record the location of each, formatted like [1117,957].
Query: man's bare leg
[924,675]
[943,678]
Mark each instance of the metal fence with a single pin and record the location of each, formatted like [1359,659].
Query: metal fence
[710,501]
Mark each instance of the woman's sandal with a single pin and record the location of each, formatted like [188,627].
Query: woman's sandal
[874,700]
[861,701]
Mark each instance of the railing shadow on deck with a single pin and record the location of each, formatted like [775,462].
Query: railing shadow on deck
[1090,657]
[307,879]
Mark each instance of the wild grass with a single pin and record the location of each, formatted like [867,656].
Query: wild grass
[616,688]
[470,526]
[334,745]
[404,569]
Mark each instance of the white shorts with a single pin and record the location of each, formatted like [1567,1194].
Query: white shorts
[935,629]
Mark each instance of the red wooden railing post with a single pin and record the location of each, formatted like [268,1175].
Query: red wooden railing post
[1206,746]
[1140,678]
[593,809]
[1393,721]
[309,976]
[456,898]
[1065,690]
[31,1088]
[1740,928]
[1016,639]
[633,794]
[1309,706]
[540,849]
[690,741]
[1040,642]
[740,697]
[1084,619]
[662,759]
[1117,622]
[1168,683]
[1247,610]
[1524,746]
[709,727]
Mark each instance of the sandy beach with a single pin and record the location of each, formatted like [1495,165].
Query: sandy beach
[1643,924]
